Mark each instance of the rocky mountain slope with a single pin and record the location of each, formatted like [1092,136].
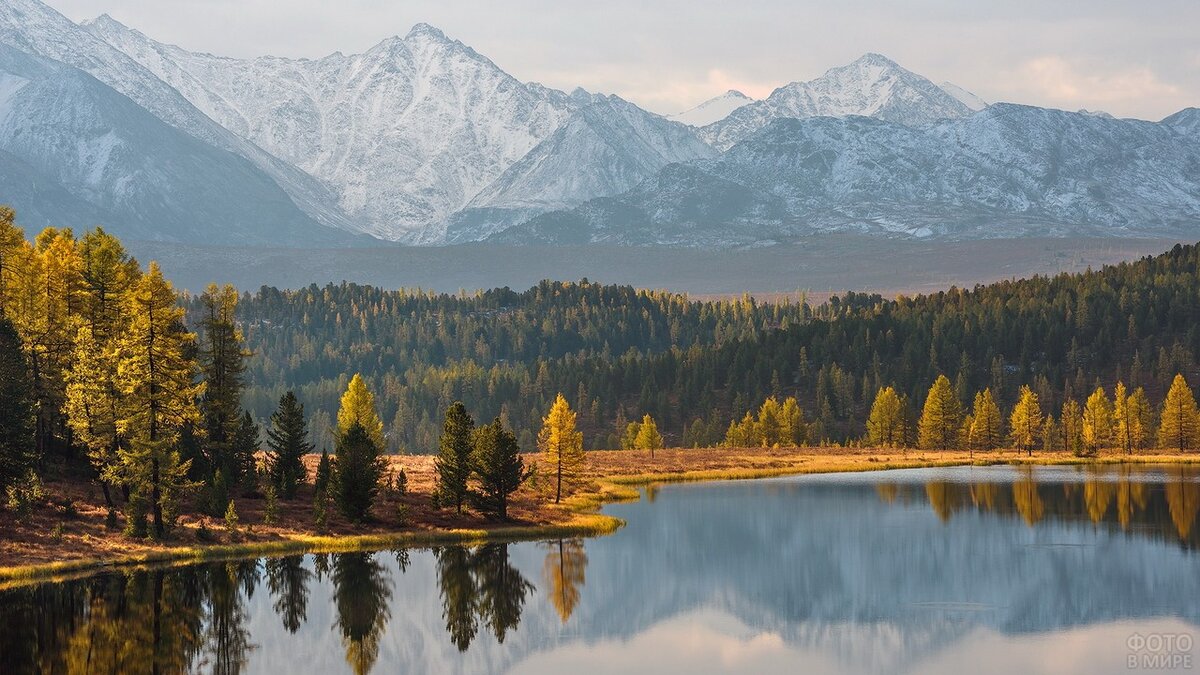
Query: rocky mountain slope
[713,110]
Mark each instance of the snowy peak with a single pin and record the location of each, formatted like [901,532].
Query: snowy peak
[963,96]
[1186,121]
[873,85]
[713,110]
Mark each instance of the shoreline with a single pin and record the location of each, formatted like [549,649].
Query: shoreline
[585,519]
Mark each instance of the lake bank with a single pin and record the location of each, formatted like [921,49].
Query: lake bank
[36,548]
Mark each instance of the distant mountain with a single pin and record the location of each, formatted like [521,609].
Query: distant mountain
[35,28]
[873,86]
[963,96]
[1006,171]
[405,133]
[603,149]
[75,153]
[1186,121]
[712,110]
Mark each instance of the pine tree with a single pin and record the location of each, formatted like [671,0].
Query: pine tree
[356,473]
[1179,426]
[287,439]
[1097,421]
[1026,420]
[985,433]
[453,461]
[158,395]
[496,461]
[884,421]
[648,437]
[358,407]
[561,446]
[18,450]
[940,419]
[223,364]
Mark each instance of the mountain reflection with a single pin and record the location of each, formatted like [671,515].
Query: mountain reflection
[1161,503]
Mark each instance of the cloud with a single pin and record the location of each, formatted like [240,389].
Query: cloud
[1061,82]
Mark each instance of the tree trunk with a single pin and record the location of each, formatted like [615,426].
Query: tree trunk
[558,490]
[107,494]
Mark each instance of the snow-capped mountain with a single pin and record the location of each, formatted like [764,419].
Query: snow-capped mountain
[35,28]
[963,96]
[873,86]
[1186,121]
[1006,171]
[405,133]
[713,110]
[76,153]
[604,149]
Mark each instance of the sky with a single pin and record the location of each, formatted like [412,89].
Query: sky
[1129,58]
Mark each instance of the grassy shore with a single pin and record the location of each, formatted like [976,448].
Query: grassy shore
[67,537]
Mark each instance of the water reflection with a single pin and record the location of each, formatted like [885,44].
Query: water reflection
[1152,501]
[934,571]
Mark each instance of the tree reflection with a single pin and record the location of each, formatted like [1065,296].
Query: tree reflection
[564,570]
[287,580]
[361,594]
[227,641]
[502,589]
[1183,501]
[459,595]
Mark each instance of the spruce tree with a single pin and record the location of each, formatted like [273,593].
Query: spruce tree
[496,461]
[1179,426]
[356,473]
[940,419]
[222,363]
[324,472]
[453,461]
[287,439]
[18,451]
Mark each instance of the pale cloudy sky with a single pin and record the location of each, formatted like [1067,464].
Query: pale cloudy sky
[1133,58]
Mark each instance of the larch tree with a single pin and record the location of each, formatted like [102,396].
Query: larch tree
[156,380]
[938,428]
[496,461]
[1141,415]
[561,445]
[791,419]
[18,451]
[1179,423]
[648,437]
[885,420]
[985,433]
[12,240]
[1097,421]
[287,438]
[358,407]
[1122,421]
[453,461]
[1071,424]
[1025,423]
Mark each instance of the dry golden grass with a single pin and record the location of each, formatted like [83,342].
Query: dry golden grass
[32,549]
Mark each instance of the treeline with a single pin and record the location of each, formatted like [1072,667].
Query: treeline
[620,354]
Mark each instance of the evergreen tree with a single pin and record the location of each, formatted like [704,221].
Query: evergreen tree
[287,439]
[1179,426]
[223,365]
[356,473]
[940,419]
[985,433]
[1026,420]
[1097,421]
[502,589]
[18,451]
[158,395]
[453,461]
[358,407]
[648,437]
[561,446]
[884,422]
[244,449]
[324,473]
[496,461]
[460,595]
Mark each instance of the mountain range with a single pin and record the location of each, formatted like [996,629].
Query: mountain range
[422,140]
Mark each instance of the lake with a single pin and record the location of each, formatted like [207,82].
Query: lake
[980,569]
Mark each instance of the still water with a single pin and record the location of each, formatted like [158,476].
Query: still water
[981,570]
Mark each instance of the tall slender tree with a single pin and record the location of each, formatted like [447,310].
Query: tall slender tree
[1026,421]
[941,417]
[356,473]
[158,395]
[287,439]
[561,445]
[18,451]
[358,407]
[985,433]
[1179,426]
[453,461]
[884,421]
[1097,421]
[223,364]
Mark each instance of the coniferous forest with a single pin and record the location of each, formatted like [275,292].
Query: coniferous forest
[620,353]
